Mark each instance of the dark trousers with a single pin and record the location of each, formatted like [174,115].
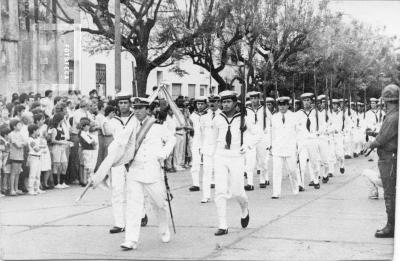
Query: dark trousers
[73,160]
[387,165]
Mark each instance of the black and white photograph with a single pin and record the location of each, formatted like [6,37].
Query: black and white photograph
[199,129]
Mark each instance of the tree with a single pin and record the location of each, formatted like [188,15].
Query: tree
[151,30]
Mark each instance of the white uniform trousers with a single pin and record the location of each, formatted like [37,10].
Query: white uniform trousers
[374,181]
[229,183]
[284,165]
[208,168]
[195,169]
[179,150]
[309,159]
[35,167]
[262,161]
[325,154]
[134,206]
[339,149]
[118,180]
[348,143]
[250,164]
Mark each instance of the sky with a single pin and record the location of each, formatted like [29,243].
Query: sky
[375,12]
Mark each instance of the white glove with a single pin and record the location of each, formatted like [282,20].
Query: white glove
[244,149]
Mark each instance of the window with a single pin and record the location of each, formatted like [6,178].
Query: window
[101,79]
[71,72]
[191,90]
[176,90]
[203,89]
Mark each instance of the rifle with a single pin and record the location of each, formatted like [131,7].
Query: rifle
[315,95]
[326,99]
[293,98]
[169,196]
[265,106]
[343,114]
[242,111]
[330,96]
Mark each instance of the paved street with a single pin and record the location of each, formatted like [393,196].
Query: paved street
[336,222]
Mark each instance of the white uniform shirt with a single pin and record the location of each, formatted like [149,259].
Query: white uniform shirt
[118,124]
[284,134]
[171,123]
[220,125]
[207,131]
[302,117]
[195,117]
[372,119]
[158,143]
[336,123]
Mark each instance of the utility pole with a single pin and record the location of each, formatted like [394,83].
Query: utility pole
[117,43]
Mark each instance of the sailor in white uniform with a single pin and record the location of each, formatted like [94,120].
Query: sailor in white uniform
[229,159]
[146,176]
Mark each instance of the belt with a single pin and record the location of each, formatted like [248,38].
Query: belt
[34,155]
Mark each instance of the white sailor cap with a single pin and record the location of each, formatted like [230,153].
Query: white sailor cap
[307,95]
[228,94]
[253,94]
[201,99]
[335,101]
[123,96]
[321,97]
[283,99]
[214,98]
[138,102]
[373,99]
[269,100]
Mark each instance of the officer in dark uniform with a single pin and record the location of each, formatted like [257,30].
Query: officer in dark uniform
[386,144]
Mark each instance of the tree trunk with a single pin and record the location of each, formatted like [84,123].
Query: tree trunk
[222,85]
[141,78]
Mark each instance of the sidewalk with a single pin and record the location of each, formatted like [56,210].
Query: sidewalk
[336,222]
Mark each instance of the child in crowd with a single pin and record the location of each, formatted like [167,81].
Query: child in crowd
[4,116]
[34,161]
[17,144]
[88,145]
[4,159]
[59,154]
[45,158]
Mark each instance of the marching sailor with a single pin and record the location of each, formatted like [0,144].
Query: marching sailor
[200,112]
[336,126]
[229,160]
[324,141]
[118,173]
[270,103]
[146,175]
[309,158]
[284,141]
[372,121]
[207,146]
[257,158]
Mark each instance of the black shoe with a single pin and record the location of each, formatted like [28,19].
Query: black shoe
[342,170]
[330,175]
[248,187]
[245,221]
[311,184]
[301,189]
[386,232]
[267,183]
[263,185]
[194,188]
[245,175]
[325,180]
[273,197]
[317,186]
[172,170]
[144,221]
[370,160]
[347,156]
[355,155]
[115,230]
[212,186]
[221,232]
